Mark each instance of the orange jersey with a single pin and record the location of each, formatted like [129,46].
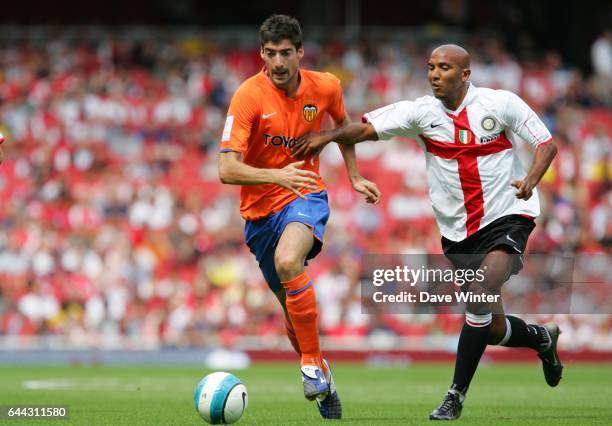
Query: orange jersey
[262,123]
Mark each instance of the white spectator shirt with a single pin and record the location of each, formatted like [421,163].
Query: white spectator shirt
[471,154]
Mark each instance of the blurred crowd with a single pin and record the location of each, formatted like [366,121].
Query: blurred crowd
[115,229]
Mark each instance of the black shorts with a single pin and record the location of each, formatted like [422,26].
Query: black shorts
[509,232]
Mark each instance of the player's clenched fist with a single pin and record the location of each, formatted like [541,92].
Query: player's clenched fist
[293,178]
[525,188]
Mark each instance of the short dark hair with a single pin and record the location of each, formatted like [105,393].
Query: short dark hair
[281,27]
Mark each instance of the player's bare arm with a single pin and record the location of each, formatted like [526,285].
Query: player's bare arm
[233,171]
[349,134]
[360,184]
[542,159]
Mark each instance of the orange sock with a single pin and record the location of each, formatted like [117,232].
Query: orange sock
[302,308]
[292,337]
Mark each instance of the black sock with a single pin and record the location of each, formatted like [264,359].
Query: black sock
[522,335]
[472,343]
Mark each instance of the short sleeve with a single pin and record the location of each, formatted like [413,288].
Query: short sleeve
[398,119]
[241,118]
[336,107]
[523,121]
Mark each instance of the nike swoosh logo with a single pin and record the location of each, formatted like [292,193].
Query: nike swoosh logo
[510,239]
[302,214]
[264,116]
[433,126]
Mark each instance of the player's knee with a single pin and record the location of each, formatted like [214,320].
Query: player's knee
[288,265]
[497,272]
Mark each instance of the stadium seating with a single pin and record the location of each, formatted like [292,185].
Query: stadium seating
[116,231]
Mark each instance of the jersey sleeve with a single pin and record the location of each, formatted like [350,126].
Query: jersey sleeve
[523,121]
[241,118]
[398,119]
[336,107]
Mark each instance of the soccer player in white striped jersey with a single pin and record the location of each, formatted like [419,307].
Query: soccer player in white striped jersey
[484,201]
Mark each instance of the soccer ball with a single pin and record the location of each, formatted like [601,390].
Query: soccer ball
[220,398]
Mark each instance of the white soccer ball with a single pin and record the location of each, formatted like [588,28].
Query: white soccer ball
[220,398]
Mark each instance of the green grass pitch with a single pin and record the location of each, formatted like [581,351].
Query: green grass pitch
[501,393]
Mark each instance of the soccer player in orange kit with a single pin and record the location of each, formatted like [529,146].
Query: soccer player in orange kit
[283,201]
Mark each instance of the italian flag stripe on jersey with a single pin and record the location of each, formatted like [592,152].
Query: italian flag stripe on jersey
[464,136]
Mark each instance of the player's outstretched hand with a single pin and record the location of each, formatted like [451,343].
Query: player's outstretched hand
[293,178]
[309,145]
[525,189]
[367,188]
